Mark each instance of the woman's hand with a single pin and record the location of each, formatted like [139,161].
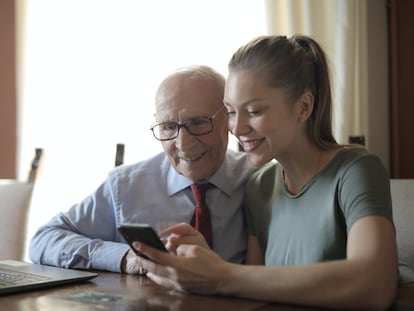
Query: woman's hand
[194,269]
[177,234]
[182,234]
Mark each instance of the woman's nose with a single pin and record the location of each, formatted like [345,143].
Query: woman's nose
[238,126]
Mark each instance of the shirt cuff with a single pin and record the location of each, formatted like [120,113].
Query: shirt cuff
[109,256]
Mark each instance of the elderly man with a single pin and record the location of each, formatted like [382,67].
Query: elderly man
[192,128]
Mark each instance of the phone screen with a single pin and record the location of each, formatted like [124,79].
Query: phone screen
[142,233]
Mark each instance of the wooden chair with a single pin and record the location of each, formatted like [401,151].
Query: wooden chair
[119,155]
[15,199]
[402,195]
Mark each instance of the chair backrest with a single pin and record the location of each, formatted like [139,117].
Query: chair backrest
[15,199]
[402,195]
[14,205]
[35,165]
[119,155]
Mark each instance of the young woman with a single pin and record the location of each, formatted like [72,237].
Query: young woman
[320,219]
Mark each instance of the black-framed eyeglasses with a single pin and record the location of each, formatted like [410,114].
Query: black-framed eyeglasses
[195,126]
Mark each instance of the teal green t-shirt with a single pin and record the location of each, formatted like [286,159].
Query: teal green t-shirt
[313,225]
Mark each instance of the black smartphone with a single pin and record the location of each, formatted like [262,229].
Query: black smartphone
[143,233]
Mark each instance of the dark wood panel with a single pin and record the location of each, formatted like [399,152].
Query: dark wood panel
[7,90]
[401,25]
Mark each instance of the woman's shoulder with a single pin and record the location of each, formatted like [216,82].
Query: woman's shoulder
[268,170]
[353,158]
[265,177]
[263,183]
[351,153]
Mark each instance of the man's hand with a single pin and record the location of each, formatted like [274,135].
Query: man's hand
[130,265]
[178,234]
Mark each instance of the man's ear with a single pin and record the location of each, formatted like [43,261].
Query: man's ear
[306,105]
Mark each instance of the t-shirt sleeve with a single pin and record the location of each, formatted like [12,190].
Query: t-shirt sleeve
[364,190]
[248,206]
[258,202]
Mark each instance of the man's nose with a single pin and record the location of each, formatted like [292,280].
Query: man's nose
[184,139]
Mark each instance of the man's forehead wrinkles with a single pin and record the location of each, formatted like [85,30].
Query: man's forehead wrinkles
[170,114]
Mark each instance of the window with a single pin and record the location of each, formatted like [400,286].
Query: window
[88,73]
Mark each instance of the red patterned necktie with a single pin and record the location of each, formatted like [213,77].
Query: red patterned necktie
[201,218]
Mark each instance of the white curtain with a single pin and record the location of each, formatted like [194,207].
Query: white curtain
[353,33]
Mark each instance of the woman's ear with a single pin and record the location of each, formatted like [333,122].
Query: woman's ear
[306,104]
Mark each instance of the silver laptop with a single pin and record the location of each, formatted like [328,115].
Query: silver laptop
[18,276]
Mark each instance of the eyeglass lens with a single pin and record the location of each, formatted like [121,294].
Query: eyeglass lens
[195,126]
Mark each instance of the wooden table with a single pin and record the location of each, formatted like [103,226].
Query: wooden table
[113,291]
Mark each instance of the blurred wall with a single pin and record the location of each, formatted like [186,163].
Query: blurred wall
[7,90]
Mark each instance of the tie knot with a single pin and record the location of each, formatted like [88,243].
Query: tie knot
[199,192]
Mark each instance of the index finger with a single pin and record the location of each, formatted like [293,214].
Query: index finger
[180,229]
[154,256]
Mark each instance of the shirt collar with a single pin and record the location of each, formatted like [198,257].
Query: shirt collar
[221,179]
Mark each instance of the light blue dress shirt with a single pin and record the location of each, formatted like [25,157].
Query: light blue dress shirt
[149,192]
